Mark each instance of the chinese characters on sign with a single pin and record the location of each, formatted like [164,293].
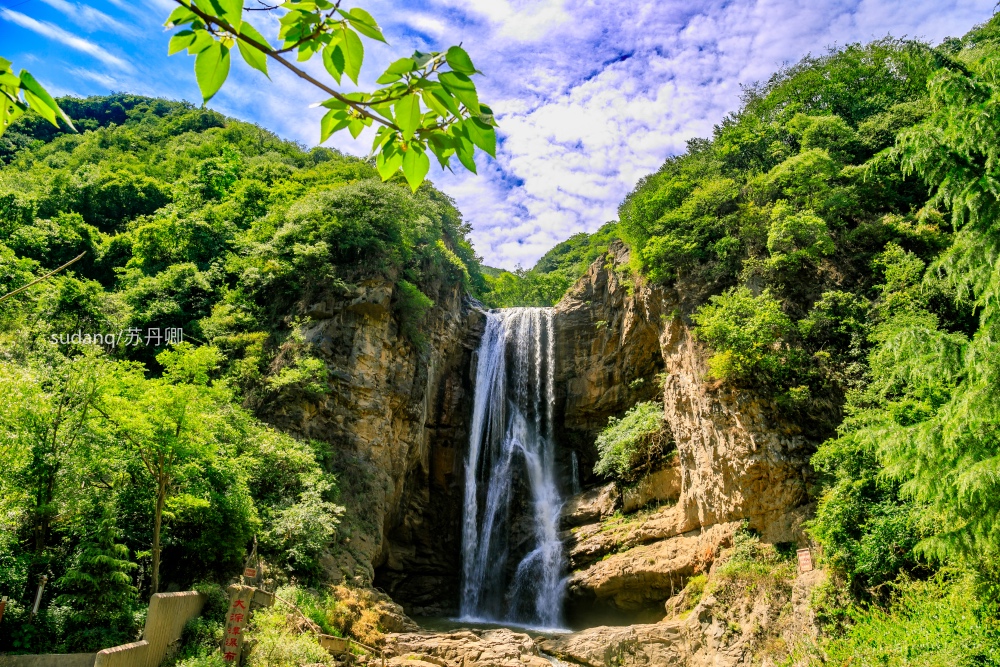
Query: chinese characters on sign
[236,620]
[131,337]
[805,560]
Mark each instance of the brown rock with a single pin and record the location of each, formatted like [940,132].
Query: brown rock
[641,578]
[590,506]
[467,648]
[656,487]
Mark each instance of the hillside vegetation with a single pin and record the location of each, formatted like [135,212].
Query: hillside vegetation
[835,245]
[134,464]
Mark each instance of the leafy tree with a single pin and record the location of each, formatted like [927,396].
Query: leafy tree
[429,103]
[934,426]
[98,588]
[747,333]
[169,421]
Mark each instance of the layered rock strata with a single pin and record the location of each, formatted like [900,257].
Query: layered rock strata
[621,340]
[395,420]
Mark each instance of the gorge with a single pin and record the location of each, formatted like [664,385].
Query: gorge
[518,395]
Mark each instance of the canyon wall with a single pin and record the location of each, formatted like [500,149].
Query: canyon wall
[395,427]
[621,340]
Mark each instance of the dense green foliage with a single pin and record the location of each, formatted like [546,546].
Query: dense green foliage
[129,459]
[546,282]
[938,623]
[633,445]
[835,245]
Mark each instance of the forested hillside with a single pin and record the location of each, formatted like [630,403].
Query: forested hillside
[141,463]
[835,245]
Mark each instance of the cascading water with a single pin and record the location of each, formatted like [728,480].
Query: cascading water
[511,459]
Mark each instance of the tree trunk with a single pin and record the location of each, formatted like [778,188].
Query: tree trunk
[161,496]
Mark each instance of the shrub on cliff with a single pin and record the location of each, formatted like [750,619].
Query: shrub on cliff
[634,444]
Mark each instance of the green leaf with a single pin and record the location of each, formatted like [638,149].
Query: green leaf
[389,160]
[447,100]
[407,112]
[202,40]
[396,70]
[443,148]
[353,50]
[461,87]
[422,59]
[486,115]
[401,66]
[356,127]
[181,41]
[460,61]
[434,103]
[211,68]
[464,148]
[230,11]
[481,135]
[181,16]
[308,49]
[333,60]
[364,23]
[42,99]
[41,108]
[333,103]
[252,55]
[9,112]
[416,164]
[334,121]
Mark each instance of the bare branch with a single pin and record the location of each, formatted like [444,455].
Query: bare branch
[50,273]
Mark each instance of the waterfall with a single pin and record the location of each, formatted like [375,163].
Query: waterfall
[511,554]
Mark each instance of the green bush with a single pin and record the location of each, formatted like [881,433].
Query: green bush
[411,307]
[746,333]
[933,623]
[632,445]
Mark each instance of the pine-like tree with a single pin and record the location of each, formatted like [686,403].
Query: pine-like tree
[98,588]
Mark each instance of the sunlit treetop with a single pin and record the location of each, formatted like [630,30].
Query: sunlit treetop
[427,103]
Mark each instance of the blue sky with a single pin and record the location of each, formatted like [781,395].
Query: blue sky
[590,95]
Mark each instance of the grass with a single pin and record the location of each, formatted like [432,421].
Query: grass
[933,623]
[278,636]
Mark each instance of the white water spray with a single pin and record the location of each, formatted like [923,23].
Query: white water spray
[511,450]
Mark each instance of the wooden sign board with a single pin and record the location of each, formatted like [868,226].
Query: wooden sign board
[805,560]
[236,621]
[250,573]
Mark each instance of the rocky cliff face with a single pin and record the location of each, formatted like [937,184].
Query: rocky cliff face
[395,420]
[621,340]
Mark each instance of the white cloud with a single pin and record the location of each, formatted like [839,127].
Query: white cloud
[88,18]
[615,88]
[54,32]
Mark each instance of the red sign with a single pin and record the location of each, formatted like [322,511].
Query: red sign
[250,573]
